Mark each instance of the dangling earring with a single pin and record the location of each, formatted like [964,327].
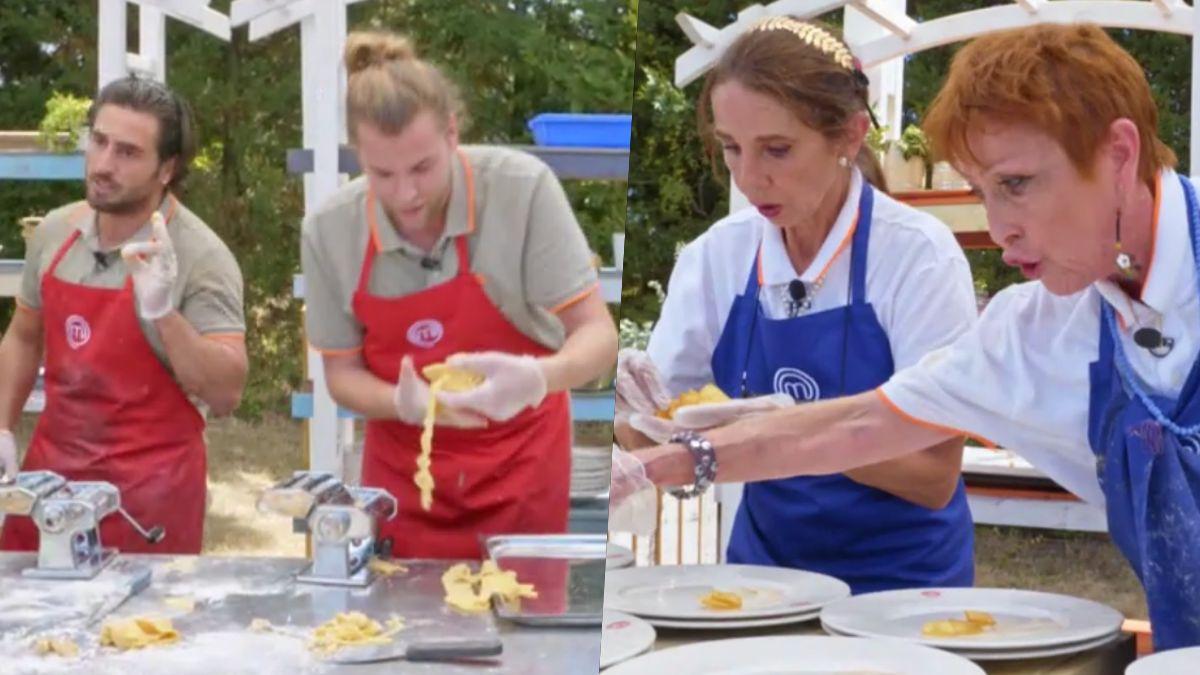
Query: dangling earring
[844,162]
[1124,261]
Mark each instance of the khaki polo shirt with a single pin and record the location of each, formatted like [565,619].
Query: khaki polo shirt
[207,292]
[527,245]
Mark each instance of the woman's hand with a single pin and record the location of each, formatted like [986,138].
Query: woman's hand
[632,498]
[709,415]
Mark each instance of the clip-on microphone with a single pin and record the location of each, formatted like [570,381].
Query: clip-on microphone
[799,297]
[1153,341]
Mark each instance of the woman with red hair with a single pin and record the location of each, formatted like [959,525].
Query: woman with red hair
[1089,370]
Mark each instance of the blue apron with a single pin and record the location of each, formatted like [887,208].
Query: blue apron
[830,524]
[1148,461]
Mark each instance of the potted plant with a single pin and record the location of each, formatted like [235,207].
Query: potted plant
[878,142]
[914,148]
[64,127]
[28,225]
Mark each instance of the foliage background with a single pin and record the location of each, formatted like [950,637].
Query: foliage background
[674,196]
[511,58]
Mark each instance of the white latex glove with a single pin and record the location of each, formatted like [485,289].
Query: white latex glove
[655,428]
[710,415]
[8,456]
[154,268]
[411,397]
[632,498]
[511,384]
[639,385]
[640,394]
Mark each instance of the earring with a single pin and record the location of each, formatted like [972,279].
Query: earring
[1124,261]
[844,162]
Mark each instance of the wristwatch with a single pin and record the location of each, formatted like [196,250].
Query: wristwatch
[705,458]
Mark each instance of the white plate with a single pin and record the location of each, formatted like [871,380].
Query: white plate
[798,655]
[1024,619]
[623,637]
[709,624]
[674,591]
[1173,662]
[1019,654]
[618,557]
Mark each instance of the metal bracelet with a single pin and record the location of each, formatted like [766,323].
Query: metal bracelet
[705,458]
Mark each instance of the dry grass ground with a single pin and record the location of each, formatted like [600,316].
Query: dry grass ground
[245,457]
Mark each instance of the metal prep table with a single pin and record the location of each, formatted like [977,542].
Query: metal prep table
[231,591]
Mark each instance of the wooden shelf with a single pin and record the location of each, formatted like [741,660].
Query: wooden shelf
[23,141]
[961,210]
[919,198]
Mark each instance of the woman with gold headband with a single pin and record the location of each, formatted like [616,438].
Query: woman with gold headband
[821,289]
[463,255]
[1089,370]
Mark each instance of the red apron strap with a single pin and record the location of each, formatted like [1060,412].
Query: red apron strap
[364,275]
[460,242]
[172,204]
[62,250]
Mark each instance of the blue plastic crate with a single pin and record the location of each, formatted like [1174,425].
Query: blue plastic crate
[578,130]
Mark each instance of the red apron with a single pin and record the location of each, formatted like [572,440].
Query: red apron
[510,478]
[114,413]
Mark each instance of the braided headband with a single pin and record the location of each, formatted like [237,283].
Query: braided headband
[814,36]
[821,40]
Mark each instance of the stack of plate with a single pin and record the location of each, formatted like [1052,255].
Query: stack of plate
[668,596]
[1028,624]
[798,654]
[590,471]
[623,637]
[1174,662]
[618,557]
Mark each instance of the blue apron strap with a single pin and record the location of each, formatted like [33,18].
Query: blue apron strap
[858,247]
[752,278]
[1192,384]
[743,347]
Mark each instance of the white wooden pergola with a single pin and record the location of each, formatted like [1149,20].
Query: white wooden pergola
[114,59]
[880,34]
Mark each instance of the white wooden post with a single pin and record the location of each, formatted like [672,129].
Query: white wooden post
[111,42]
[887,78]
[321,47]
[322,40]
[152,42]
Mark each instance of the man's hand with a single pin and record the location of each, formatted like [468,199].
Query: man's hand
[8,456]
[154,267]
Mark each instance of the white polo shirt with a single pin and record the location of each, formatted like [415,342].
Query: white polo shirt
[1019,378]
[918,282]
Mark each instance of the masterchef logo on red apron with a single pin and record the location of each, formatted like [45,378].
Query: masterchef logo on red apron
[78,331]
[798,384]
[425,333]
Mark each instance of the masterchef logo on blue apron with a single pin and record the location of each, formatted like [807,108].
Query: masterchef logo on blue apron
[78,331]
[425,333]
[798,384]
[1190,443]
